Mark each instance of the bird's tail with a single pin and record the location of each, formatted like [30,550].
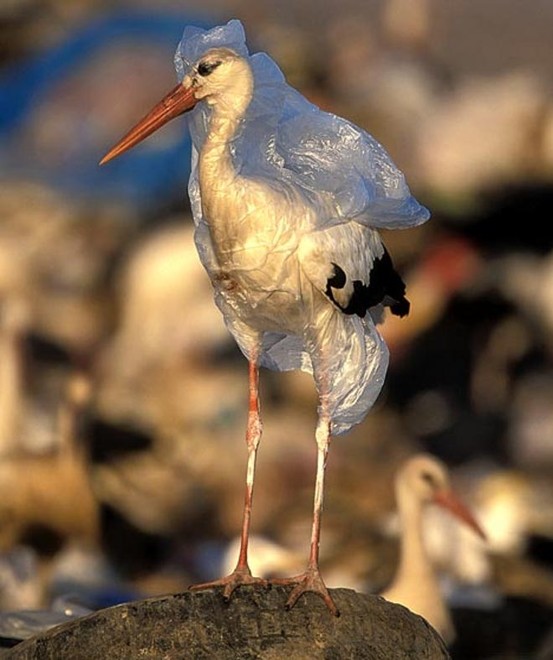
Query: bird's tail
[349,361]
[347,357]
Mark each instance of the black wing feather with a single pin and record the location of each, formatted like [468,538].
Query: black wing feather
[385,287]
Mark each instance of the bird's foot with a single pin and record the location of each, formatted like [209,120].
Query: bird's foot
[240,576]
[312,581]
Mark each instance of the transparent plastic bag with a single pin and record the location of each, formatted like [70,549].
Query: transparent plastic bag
[338,171]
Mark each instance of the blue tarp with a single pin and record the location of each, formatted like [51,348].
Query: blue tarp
[144,177]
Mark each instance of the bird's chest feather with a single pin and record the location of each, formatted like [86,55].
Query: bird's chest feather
[255,233]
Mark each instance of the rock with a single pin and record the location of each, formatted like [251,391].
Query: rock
[255,624]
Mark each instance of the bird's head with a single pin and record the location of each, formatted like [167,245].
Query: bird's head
[220,76]
[425,479]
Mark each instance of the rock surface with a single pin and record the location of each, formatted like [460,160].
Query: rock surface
[255,624]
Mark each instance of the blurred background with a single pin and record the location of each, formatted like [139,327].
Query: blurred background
[122,396]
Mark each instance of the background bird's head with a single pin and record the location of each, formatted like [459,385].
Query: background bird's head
[424,480]
[423,477]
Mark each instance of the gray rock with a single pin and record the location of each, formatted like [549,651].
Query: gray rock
[254,625]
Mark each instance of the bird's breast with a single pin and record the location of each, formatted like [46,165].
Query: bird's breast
[261,283]
[255,230]
[254,233]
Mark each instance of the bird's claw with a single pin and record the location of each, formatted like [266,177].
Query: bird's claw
[239,577]
[312,581]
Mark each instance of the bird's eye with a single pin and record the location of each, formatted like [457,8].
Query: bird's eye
[429,478]
[205,68]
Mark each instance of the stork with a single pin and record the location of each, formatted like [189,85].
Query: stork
[421,481]
[286,200]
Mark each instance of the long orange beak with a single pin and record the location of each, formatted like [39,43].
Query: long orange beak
[448,500]
[179,100]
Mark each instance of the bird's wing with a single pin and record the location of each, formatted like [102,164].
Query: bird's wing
[350,265]
[329,154]
[346,173]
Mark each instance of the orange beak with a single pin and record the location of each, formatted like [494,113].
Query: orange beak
[179,100]
[448,500]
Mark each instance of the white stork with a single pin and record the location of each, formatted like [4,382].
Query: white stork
[423,480]
[286,199]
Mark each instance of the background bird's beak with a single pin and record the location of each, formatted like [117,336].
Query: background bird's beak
[179,100]
[448,500]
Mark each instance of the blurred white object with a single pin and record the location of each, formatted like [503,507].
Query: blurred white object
[421,481]
[77,570]
[168,334]
[531,429]
[479,136]
[166,308]
[20,585]
[527,280]
[268,559]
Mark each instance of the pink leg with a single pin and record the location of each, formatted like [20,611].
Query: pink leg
[242,574]
[312,580]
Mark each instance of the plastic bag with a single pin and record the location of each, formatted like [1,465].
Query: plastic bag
[345,177]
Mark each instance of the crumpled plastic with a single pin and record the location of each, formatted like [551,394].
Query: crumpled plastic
[24,624]
[344,173]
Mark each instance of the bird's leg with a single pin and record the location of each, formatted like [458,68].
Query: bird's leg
[242,574]
[311,579]
[253,436]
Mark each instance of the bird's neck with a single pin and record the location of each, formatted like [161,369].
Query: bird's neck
[218,178]
[416,584]
[216,164]
[414,561]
